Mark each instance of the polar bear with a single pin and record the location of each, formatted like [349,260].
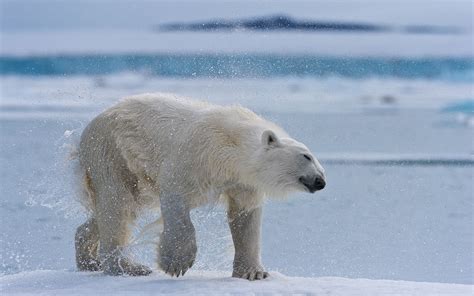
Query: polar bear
[175,154]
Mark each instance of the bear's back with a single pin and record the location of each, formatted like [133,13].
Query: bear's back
[166,103]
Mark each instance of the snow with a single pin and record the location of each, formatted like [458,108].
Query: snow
[57,282]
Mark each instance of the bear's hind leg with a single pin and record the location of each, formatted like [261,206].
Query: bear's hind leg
[114,214]
[87,243]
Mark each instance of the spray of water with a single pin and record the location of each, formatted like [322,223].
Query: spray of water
[59,189]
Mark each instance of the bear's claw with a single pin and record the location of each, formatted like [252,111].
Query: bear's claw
[257,275]
[175,268]
[251,275]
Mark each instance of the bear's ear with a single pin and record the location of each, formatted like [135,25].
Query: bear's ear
[270,139]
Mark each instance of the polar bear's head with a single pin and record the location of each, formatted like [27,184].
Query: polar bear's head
[285,165]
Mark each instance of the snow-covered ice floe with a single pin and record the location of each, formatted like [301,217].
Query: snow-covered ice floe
[58,282]
[398,159]
[85,96]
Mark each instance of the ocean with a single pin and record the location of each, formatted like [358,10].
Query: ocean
[241,66]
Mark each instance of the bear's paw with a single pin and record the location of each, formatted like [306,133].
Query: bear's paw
[250,273]
[177,254]
[123,266]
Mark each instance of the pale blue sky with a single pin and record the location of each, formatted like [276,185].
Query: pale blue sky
[32,15]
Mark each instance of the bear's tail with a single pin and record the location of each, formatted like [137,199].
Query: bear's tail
[84,191]
[87,197]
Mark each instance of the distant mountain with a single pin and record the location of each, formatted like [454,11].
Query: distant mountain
[271,23]
[286,23]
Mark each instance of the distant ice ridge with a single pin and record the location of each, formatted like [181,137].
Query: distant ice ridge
[58,282]
[84,96]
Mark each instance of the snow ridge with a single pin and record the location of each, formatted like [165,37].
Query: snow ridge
[64,282]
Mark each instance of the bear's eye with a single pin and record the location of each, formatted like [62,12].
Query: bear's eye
[307,157]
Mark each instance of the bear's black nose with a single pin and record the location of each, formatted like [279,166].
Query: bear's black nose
[319,183]
[313,184]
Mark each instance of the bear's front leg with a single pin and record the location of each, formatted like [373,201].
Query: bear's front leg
[245,226]
[177,248]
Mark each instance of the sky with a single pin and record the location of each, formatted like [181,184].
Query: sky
[53,15]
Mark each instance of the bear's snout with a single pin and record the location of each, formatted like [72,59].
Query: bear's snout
[313,184]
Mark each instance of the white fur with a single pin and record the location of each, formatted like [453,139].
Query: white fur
[204,148]
[154,144]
